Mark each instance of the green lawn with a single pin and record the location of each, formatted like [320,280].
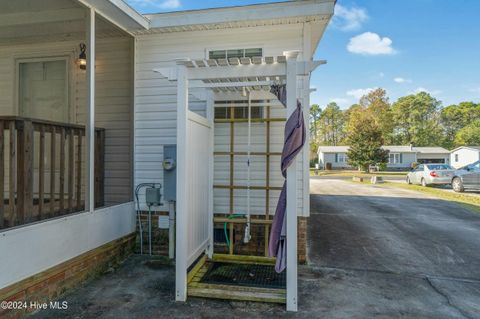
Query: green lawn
[468,200]
[354,173]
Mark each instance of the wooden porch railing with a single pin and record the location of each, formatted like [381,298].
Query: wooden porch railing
[41,169]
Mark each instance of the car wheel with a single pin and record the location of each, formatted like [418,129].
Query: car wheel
[457,185]
[424,182]
[409,182]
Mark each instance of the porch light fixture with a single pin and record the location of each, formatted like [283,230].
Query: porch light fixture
[82,58]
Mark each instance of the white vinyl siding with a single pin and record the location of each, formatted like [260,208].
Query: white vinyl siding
[114,109]
[155,101]
[257,164]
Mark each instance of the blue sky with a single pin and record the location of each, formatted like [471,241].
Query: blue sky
[403,46]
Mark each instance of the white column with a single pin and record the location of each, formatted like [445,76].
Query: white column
[210,118]
[306,56]
[90,121]
[182,200]
[292,198]
[306,147]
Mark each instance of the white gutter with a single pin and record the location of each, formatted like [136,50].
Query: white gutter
[279,10]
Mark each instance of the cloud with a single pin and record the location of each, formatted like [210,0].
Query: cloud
[422,89]
[370,43]
[339,100]
[358,93]
[475,90]
[349,19]
[165,4]
[402,80]
[381,75]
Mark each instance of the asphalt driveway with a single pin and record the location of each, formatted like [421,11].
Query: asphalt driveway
[373,253]
[399,253]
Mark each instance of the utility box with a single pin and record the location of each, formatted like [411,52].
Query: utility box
[152,196]
[170,172]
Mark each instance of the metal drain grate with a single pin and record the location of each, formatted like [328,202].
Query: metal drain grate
[248,275]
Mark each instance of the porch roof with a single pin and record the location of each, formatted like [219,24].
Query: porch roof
[120,13]
[242,16]
[286,13]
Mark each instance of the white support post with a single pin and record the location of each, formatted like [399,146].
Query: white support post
[292,198]
[90,122]
[307,55]
[306,147]
[210,118]
[182,200]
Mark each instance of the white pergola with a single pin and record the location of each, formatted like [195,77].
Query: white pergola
[204,78]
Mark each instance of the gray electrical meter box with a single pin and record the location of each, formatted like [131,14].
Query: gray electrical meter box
[170,172]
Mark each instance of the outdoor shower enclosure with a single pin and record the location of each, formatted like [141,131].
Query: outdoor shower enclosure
[195,154]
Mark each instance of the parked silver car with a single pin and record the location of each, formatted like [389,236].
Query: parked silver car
[467,178]
[429,174]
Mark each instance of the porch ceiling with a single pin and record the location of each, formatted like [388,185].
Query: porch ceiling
[30,21]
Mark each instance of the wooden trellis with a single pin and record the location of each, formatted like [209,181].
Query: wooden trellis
[266,221]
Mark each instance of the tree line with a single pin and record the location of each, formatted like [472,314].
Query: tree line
[417,119]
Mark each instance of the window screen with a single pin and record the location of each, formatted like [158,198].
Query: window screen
[239,112]
[235,53]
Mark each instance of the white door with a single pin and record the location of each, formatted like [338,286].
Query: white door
[43,90]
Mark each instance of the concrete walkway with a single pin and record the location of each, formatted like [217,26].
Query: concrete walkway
[374,253]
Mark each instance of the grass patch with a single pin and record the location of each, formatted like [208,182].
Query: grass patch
[334,173]
[470,201]
[467,200]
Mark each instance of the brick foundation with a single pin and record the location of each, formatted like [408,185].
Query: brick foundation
[159,236]
[255,247]
[302,240]
[52,283]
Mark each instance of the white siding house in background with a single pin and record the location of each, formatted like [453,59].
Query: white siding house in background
[464,155]
[399,157]
[335,155]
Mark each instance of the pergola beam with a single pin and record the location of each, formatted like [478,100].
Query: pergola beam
[230,84]
[240,71]
[236,71]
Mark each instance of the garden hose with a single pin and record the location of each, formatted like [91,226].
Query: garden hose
[225,227]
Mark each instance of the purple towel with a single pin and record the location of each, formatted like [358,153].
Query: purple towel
[294,140]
